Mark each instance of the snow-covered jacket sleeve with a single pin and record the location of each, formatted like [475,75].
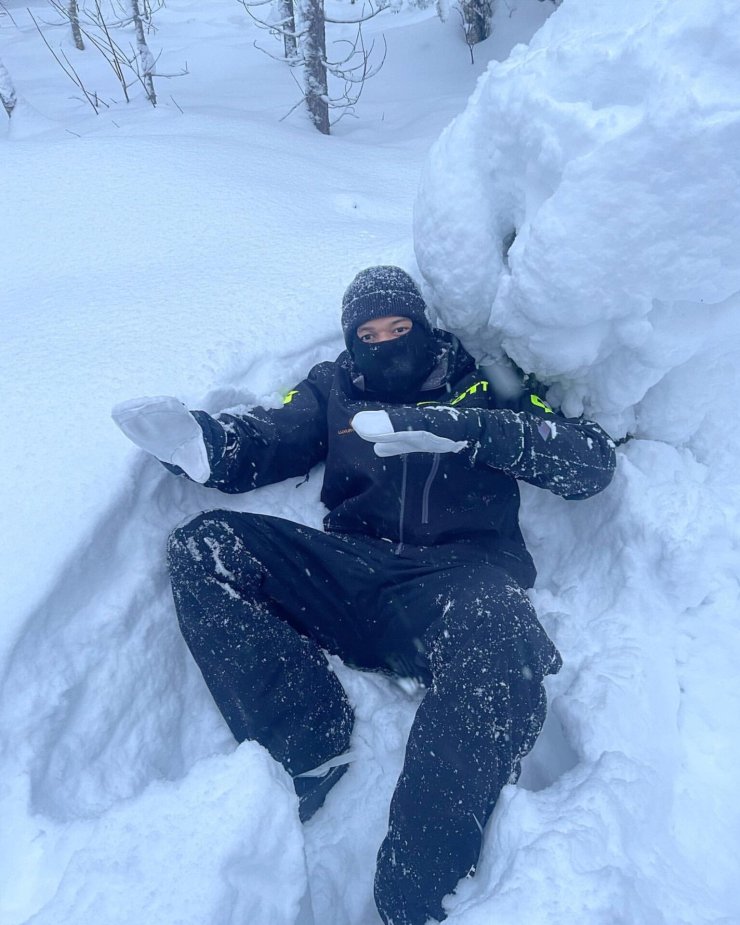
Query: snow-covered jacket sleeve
[571,457]
[263,446]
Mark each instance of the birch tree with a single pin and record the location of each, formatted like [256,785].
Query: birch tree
[302,25]
[287,27]
[7,91]
[134,64]
[144,55]
[313,48]
[73,14]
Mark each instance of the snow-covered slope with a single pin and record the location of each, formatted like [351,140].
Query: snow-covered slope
[203,253]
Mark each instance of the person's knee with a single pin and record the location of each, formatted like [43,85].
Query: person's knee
[494,620]
[208,561]
[184,542]
[178,543]
[194,541]
[524,644]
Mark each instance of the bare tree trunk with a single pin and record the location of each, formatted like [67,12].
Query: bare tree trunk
[314,63]
[477,16]
[287,25]
[7,91]
[74,21]
[146,60]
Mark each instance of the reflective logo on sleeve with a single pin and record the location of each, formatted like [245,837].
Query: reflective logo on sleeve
[289,397]
[482,384]
[536,400]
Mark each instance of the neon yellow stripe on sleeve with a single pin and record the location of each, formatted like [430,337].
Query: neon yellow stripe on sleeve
[536,400]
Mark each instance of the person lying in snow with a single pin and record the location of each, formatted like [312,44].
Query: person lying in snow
[421,571]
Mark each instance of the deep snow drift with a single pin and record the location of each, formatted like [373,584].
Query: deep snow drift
[204,254]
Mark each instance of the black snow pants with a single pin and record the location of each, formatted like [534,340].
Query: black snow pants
[259,598]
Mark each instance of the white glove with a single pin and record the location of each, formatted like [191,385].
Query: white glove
[377,427]
[164,427]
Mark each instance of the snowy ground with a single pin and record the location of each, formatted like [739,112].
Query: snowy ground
[203,253]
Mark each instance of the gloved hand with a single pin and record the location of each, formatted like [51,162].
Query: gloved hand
[377,427]
[164,427]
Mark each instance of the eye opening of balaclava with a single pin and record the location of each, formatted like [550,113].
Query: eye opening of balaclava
[394,367]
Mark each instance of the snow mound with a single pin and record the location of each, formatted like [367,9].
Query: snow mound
[122,869]
[607,148]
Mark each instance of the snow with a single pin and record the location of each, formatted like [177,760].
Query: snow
[203,254]
[607,146]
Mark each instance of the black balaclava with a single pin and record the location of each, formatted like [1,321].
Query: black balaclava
[394,368]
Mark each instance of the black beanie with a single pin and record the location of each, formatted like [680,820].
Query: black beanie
[377,292]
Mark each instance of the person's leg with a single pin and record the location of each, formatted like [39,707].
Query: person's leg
[249,592]
[482,713]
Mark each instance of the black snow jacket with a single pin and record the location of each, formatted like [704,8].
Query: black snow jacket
[469,498]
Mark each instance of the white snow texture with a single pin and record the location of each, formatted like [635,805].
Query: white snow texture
[201,250]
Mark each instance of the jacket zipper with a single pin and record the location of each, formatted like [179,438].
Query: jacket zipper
[404,463]
[427,489]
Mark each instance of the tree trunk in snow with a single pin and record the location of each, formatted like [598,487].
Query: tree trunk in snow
[146,60]
[314,62]
[287,25]
[7,91]
[74,21]
[477,16]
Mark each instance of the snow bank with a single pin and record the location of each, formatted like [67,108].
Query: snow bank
[156,859]
[581,214]
[607,147]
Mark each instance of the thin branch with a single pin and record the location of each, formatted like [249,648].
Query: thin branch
[292,109]
[71,73]
[466,34]
[346,111]
[291,62]
[355,22]
[276,27]
[9,15]
[78,80]
[159,75]
[350,55]
[116,53]
[110,52]
[348,73]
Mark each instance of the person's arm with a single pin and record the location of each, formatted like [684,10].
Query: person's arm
[573,458]
[235,452]
[263,446]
